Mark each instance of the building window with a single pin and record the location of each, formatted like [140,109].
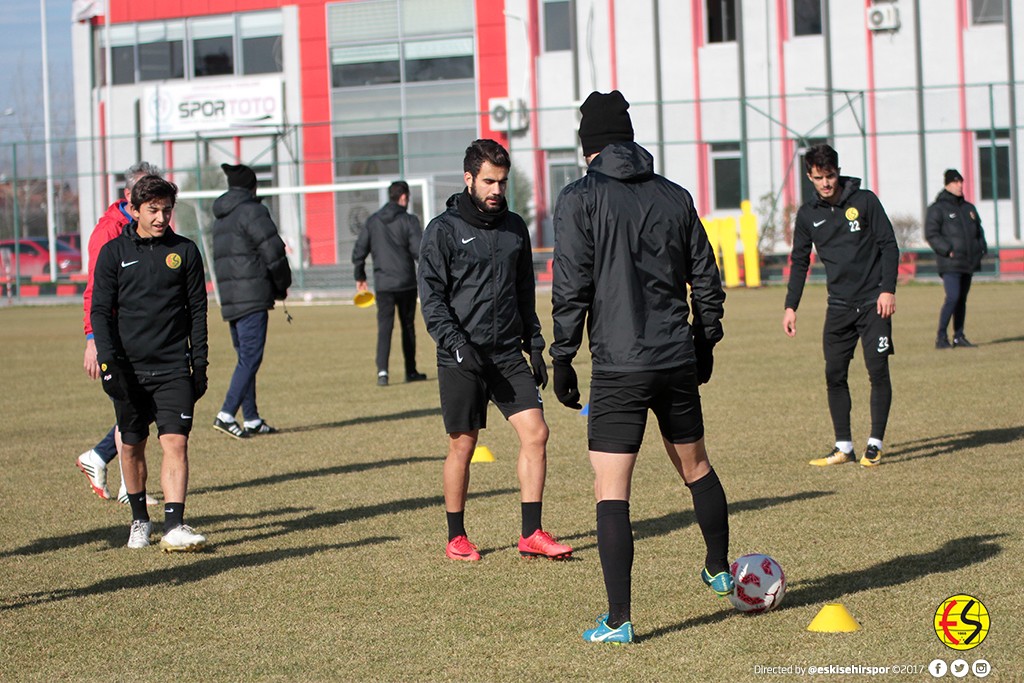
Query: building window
[213,51]
[987,11]
[725,166]
[365,65]
[807,17]
[361,155]
[260,39]
[997,186]
[436,60]
[557,35]
[161,51]
[721,21]
[563,168]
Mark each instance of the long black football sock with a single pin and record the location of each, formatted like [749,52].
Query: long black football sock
[615,548]
[173,515]
[138,503]
[531,518]
[881,397]
[456,524]
[712,512]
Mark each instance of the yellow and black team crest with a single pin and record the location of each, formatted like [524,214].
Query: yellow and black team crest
[173,261]
[852,213]
[961,622]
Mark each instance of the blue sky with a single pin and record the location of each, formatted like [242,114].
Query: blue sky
[21,57]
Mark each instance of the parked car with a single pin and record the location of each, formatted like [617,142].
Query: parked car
[72,238]
[34,257]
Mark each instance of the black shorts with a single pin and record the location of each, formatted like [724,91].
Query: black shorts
[464,394]
[844,325]
[166,400]
[619,402]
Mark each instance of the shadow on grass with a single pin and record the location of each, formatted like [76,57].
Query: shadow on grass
[952,443]
[369,419]
[310,474]
[952,556]
[1004,340]
[666,524]
[179,574]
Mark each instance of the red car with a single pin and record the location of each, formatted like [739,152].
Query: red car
[34,257]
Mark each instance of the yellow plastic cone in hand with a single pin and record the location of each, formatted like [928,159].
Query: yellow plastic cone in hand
[833,618]
[482,454]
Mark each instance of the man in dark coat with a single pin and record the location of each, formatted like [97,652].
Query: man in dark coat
[953,230]
[252,272]
[392,237]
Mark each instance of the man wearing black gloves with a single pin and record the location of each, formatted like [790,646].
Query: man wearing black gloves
[627,244]
[476,288]
[149,322]
[252,273]
[392,238]
[953,230]
[855,241]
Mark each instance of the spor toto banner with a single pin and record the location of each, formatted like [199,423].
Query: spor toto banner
[243,106]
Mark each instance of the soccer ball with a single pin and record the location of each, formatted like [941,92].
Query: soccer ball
[760,583]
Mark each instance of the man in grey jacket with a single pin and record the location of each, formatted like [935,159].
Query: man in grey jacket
[252,272]
[392,238]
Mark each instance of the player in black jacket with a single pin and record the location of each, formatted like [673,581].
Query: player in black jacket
[953,230]
[854,240]
[149,322]
[628,242]
[478,296]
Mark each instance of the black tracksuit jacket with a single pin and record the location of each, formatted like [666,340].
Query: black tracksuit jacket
[854,241]
[392,237]
[249,257]
[627,244]
[953,227]
[476,285]
[149,303]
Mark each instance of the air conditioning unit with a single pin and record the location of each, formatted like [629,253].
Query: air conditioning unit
[508,115]
[883,17]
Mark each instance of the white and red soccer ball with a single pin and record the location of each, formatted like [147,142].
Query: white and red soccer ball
[760,583]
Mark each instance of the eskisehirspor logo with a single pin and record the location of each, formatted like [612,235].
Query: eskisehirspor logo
[961,622]
[173,261]
[852,213]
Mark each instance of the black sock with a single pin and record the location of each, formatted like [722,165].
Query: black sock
[615,548]
[531,518]
[173,514]
[712,512]
[138,503]
[456,524]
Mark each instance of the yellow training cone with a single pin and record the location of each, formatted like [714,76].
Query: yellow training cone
[833,618]
[482,454]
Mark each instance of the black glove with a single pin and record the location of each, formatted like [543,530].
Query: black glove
[540,369]
[567,386]
[705,355]
[199,382]
[468,359]
[115,383]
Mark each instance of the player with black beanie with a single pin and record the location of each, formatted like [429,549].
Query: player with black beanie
[628,242]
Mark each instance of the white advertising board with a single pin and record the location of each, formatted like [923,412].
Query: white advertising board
[241,106]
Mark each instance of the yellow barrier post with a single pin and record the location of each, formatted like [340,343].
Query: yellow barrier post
[748,235]
[711,228]
[730,266]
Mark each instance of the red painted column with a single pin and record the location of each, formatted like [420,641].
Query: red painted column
[788,148]
[491,63]
[540,202]
[966,143]
[872,122]
[702,196]
[613,54]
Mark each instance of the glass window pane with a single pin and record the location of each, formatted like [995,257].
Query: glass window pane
[259,24]
[161,60]
[433,17]
[987,11]
[807,17]
[365,65]
[366,155]
[213,28]
[442,68]
[556,26]
[120,36]
[447,104]
[727,183]
[437,151]
[123,63]
[213,56]
[368,109]
[1002,171]
[721,20]
[261,55]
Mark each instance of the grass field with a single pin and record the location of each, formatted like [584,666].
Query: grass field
[327,540]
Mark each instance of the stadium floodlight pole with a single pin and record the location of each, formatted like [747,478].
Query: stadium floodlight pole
[51,230]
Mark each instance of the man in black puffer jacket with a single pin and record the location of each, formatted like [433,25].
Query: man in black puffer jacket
[628,242]
[953,230]
[392,238]
[252,272]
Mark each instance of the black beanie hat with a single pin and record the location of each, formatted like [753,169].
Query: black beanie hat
[240,176]
[605,120]
[951,175]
